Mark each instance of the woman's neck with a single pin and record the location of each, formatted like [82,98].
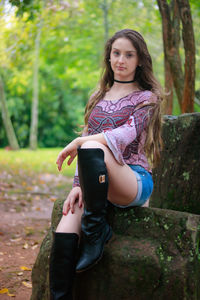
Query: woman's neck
[119,90]
[128,87]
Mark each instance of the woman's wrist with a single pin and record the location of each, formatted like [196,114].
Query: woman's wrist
[78,141]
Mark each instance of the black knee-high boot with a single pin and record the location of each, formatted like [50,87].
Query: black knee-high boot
[94,184]
[62,265]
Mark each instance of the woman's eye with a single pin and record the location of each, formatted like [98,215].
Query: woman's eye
[129,55]
[116,53]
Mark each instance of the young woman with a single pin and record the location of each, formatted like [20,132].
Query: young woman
[120,142]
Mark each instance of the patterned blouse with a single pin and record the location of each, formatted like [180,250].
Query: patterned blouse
[123,123]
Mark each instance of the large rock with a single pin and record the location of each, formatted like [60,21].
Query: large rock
[154,254]
[177,178]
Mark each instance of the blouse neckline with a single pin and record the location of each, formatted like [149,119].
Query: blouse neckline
[126,96]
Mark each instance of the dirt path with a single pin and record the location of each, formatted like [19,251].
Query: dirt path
[26,203]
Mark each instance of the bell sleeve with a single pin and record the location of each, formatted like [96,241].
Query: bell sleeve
[119,138]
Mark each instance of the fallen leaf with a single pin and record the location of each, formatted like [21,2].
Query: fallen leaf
[29,231]
[25,268]
[29,188]
[33,243]
[38,208]
[4,291]
[16,240]
[25,246]
[11,295]
[41,181]
[20,274]
[52,199]
[27,284]
[34,247]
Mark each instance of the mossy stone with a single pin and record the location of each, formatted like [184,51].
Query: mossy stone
[154,254]
[176,179]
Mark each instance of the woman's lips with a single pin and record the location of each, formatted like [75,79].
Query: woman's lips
[120,68]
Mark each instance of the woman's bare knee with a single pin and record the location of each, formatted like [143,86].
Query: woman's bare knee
[108,156]
[92,144]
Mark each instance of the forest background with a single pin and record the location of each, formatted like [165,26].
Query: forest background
[51,52]
[50,62]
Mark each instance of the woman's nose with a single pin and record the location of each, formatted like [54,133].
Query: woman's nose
[121,58]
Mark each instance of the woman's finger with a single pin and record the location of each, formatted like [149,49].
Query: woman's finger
[70,160]
[66,208]
[59,165]
[80,200]
[59,162]
[61,157]
[72,207]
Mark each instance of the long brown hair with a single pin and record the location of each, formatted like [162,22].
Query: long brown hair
[146,80]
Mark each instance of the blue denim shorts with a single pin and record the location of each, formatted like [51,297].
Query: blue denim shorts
[145,186]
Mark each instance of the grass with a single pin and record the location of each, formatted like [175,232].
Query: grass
[39,161]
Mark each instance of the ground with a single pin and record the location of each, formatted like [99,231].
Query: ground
[26,202]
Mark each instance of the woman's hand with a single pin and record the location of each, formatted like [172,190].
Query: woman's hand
[69,150]
[75,194]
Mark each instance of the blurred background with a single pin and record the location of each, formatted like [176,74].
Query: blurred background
[50,61]
[51,54]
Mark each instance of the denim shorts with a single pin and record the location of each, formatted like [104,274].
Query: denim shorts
[145,186]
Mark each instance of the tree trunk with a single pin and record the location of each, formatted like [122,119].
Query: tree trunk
[189,46]
[170,26]
[168,89]
[6,119]
[34,110]
[105,8]
[183,83]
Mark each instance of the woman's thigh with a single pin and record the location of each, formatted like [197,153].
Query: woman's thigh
[122,180]
[122,183]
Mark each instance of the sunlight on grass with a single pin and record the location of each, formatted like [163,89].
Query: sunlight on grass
[39,161]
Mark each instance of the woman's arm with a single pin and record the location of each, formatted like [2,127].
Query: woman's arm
[95,137]
[116,139]
[71,149]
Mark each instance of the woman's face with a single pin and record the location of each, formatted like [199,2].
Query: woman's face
[123,59]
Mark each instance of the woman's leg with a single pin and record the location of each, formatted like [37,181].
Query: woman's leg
[63,255]
[93,177]
[122,188]
[71,223]
[96,165]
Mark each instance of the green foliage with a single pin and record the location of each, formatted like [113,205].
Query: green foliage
[71,48]
[30,7]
